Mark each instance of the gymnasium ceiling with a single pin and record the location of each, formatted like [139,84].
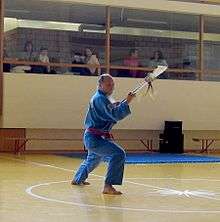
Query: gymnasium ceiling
[88,14]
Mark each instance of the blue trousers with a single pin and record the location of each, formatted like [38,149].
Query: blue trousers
[98,148]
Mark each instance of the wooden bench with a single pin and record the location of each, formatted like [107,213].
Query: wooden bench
[205,143]
[20,142]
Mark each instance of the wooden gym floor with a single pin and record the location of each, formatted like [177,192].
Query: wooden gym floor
[36,188]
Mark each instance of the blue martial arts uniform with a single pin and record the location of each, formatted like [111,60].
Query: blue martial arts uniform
[102,115]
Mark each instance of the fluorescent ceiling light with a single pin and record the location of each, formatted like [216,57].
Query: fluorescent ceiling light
[92,27]
[52,25]
[17,10]
[94,31]
[48,25]
[146,21]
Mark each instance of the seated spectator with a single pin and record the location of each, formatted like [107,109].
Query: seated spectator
[132,61]
[54,69]
[28,53]
[187,64]
[6,66]
[43,57]
[78,59]
[123,73]
[156,60]
[91,59]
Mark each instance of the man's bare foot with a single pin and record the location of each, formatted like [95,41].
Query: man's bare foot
[85,183]
[109,189]
[79,184]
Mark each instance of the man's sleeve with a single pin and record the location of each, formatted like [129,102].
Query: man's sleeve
[109,112]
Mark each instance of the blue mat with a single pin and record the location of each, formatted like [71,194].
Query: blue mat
[155,158]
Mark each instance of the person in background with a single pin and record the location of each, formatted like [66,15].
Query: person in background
[54,69]
[6,66]
[91,59]
[132,61]
[78,59]
[28,53]
[156,60]
[43,57]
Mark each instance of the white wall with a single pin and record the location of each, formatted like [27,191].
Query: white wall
[60,102]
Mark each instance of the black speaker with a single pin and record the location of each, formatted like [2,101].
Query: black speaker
[171,143]
[173,127]
[172,140]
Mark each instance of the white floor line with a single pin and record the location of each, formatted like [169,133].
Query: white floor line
[95,175]
[29,191]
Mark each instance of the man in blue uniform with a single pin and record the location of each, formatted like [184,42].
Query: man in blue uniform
[100,118]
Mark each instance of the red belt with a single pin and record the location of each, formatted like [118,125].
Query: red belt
[97,132]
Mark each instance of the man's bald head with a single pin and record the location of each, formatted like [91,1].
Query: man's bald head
[106,83]
[104,77]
